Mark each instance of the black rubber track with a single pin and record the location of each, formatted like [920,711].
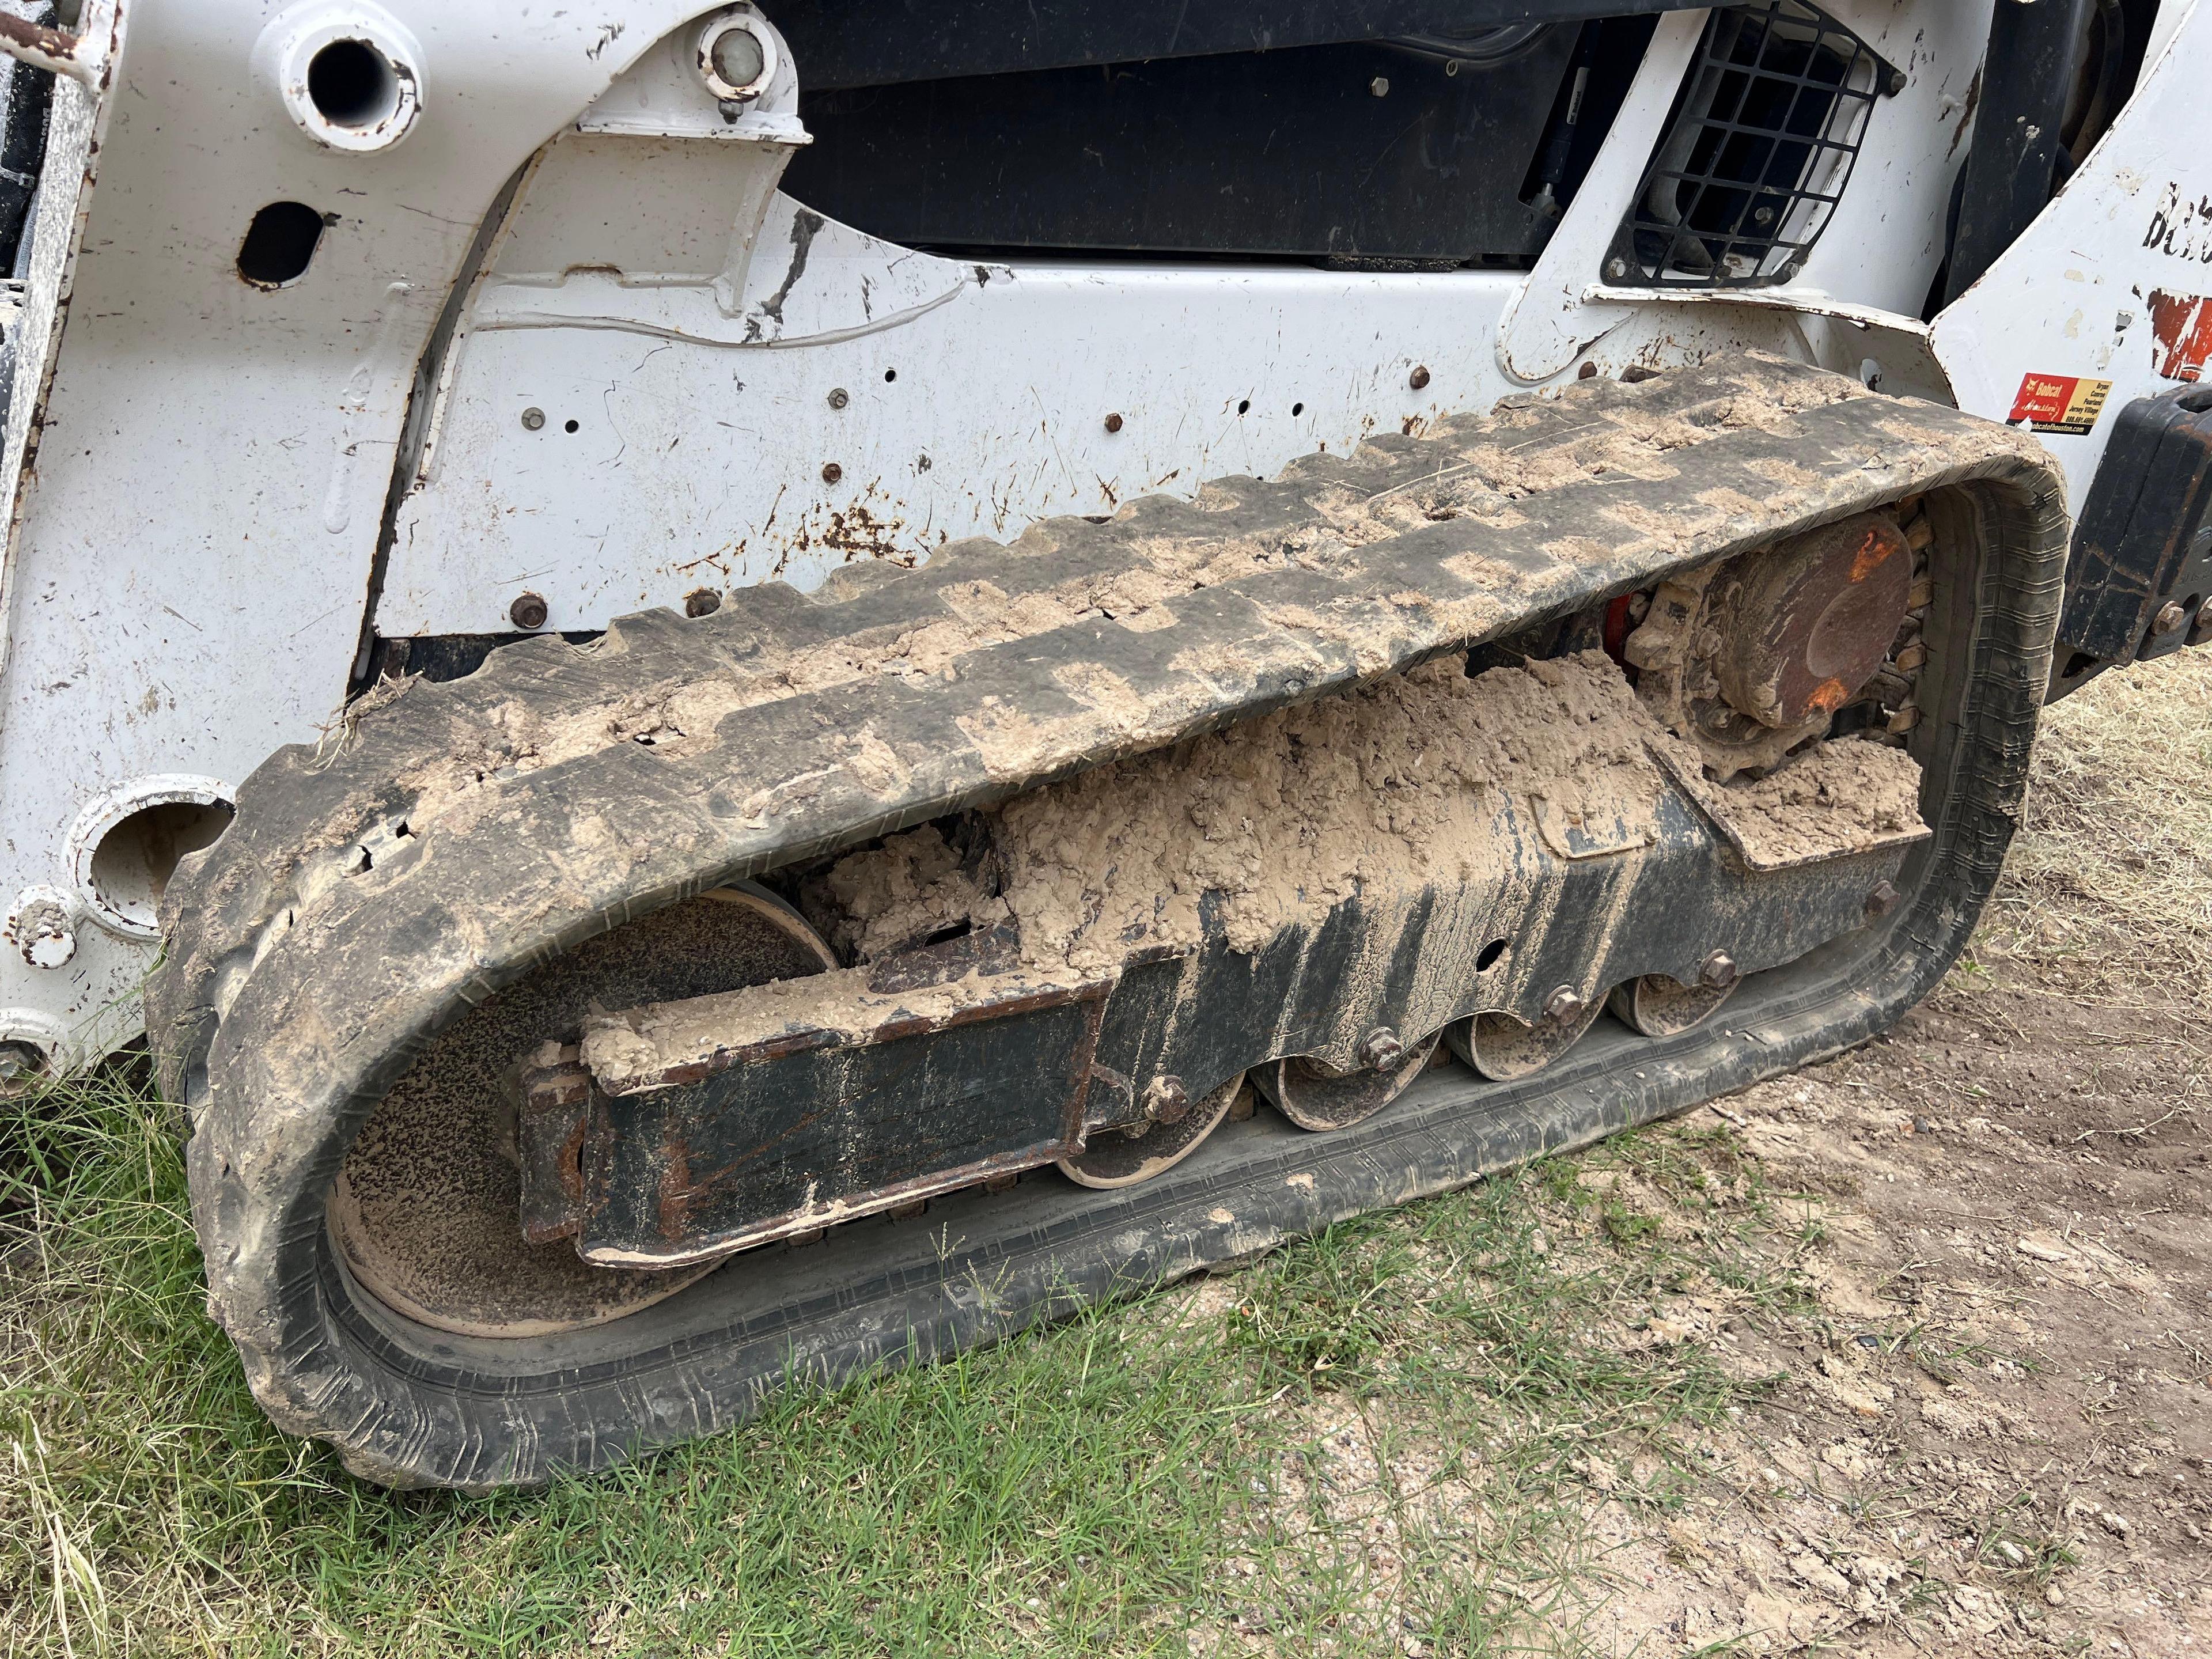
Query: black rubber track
[295,994]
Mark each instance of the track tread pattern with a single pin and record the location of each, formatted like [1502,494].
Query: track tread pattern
[298,985]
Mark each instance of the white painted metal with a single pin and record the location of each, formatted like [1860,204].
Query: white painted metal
[1871,269]
[976,400]
[1550,324]
[188,567]
[129,914]
[2169,19]
[188,561]
[2076,295]
[288,47]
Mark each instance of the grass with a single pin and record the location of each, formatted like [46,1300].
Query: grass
[1130,1482]
[1394,1439]
[2108,891]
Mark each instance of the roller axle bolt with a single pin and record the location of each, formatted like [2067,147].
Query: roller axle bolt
[1166,1100]
[1719,971]
[1881,902]
[2170,616]
[19,1063]
[1564,1004]
[1380,1050]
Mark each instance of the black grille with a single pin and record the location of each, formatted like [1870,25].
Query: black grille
[1756,153]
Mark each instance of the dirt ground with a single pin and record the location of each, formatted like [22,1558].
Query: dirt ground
[1910,1352]
[2016,1179]
[1966,1298]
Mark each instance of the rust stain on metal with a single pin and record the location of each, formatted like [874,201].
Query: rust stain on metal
[56,51]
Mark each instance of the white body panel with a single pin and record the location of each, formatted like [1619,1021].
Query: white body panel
[970,414]
[2121,256]
[189,578]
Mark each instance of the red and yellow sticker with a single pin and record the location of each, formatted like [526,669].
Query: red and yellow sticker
[2059,403]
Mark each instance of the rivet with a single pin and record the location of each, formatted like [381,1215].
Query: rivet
[42,929]
[527,612]
[532,419]
[831,472]
[1419,378]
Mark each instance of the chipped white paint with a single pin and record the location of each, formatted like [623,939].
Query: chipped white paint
[2130,235]
[385,103]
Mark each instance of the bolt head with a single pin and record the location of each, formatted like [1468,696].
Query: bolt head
[1719,971]
[1615,269]
[1379,87]
[1881,901]
[1166,1100]
[1380,1050]
[2170,616]
[19,1063]
[1113,422]
[532,419]
[527,612]
[839,396]
[2204,615]
[1564,1004]
[42,927]
[1420,378]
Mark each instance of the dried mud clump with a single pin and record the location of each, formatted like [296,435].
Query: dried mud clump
[1396,784]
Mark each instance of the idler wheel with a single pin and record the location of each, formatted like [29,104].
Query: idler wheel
[1116,1158]
[1314,1097]
[426,1213]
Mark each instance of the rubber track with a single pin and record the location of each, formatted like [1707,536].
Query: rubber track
[293,992]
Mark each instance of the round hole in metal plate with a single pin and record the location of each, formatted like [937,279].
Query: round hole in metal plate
[279,244]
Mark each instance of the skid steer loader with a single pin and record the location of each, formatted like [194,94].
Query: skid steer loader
[743,691]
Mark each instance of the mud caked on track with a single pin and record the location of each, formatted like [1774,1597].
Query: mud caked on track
[1435,743]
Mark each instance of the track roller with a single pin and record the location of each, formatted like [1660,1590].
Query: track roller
[1506,1049]
[1660,1006]
[1314,1098]
[1115,1157]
